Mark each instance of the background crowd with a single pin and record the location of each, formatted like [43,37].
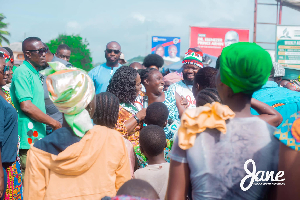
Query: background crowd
[127,131]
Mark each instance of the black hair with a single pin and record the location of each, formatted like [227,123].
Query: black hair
[157,114]
[153,140]
[144,73]
[9,51]
[218,63]
[207,95]
[63,47]
[138,188]
[272,72]
[205,77]
[123,84]
[153,60]
[107,110]
[28,40]
[159,46]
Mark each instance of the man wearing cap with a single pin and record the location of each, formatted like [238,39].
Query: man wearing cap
[285,101]
[192,62]
[103,73]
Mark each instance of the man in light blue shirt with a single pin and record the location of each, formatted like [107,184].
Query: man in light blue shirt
[102,74]
[285,101]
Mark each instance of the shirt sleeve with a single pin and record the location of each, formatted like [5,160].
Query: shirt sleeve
[177,154]
[23,90]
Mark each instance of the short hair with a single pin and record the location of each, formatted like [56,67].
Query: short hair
[153,60]
[107,110]
[62,47]
[123,84]
[207,95]
[145,73]
[138,188]
[272,74]
[11,53]
[157,114]
[153,140]
[28,40]
[205,77]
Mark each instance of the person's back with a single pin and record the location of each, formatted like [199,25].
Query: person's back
[92,168]
[152,144]
[285,101]
[219,167]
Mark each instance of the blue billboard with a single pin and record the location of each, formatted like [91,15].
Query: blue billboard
[166,47]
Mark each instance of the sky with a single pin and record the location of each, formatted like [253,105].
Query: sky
[133,23]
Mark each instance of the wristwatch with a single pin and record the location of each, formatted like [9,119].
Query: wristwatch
[137,119]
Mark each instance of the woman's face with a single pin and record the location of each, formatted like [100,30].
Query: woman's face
[10,73]
[138,84]
[155,82]
[3,75]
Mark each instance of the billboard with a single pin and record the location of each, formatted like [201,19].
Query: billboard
[166,47]
[213,40]
[288,46]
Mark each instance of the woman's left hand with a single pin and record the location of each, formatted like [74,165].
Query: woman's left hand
[184,102]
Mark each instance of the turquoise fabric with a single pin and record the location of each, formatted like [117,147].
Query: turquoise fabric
[274,96]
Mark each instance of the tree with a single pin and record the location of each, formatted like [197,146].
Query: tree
[2,32]
[80,54]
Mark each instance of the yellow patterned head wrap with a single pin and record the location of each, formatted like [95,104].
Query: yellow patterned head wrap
[71,90]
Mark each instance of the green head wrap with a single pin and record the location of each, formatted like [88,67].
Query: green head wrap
[245,67]
[71,90]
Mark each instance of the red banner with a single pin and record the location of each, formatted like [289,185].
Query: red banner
[213,40]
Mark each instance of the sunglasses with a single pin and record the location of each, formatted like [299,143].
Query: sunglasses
[115,51]
[6,68]
[40,51]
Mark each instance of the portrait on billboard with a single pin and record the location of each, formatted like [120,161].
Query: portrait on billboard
[166,47]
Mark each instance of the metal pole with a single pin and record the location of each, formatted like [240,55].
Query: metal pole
[255,21]
[280,12]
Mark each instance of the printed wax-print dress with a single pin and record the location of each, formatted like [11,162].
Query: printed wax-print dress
[14,189]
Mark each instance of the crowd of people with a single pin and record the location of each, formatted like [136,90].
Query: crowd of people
[127,131]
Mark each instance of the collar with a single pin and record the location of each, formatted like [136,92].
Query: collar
[30,67]
[270,84]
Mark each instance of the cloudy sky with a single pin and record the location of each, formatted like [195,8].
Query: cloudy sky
[133,22]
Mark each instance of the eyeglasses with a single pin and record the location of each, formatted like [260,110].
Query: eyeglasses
[6,68]
[115,51]
[40,51]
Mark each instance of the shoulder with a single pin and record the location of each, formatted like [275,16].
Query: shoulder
[138,174]
[111,133]
[96,69]
[21,69]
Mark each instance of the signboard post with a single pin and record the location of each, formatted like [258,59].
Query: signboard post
[288,46]
[166,47]
[213,40]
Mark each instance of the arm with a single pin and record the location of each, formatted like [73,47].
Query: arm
[130,124]
[289,162]
[179,105]
[179,179]
[266,112]
[36,114]
[123,172]
[36,178]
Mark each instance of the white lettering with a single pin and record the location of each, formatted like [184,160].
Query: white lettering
[259,176]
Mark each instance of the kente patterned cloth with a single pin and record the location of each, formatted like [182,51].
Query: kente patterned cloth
[197,120]
[14,189]
[71,90]
[289,133]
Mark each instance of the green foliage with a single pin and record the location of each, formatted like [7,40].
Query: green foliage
[80,54]
[2,32]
